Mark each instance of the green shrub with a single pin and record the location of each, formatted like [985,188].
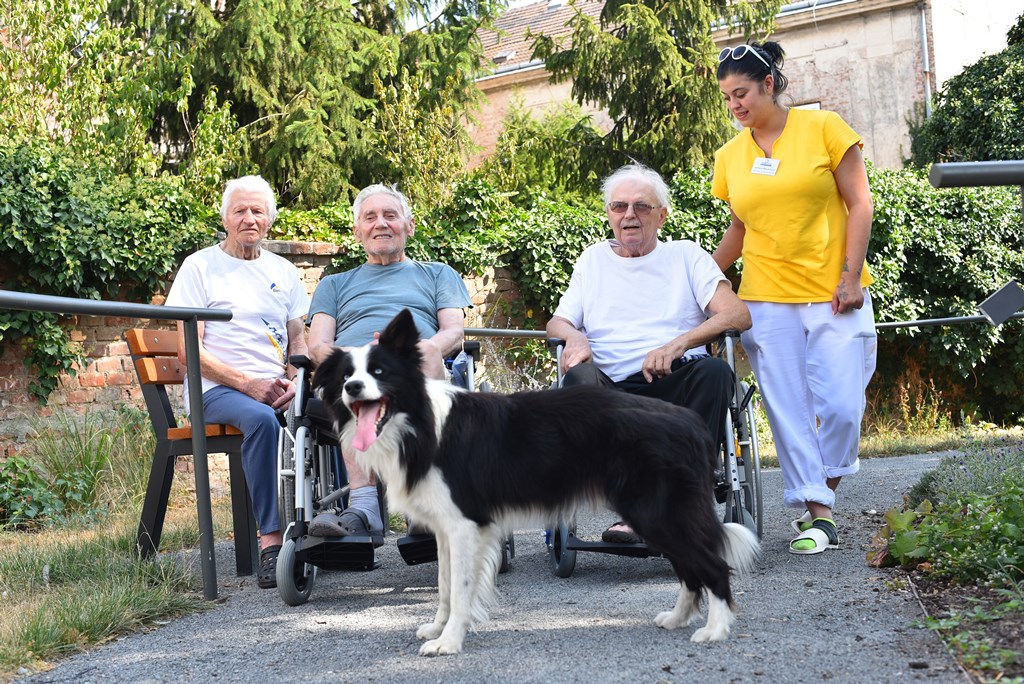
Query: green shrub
[936,254]
[25,496]
[964,520]
[80,230]
[977,470]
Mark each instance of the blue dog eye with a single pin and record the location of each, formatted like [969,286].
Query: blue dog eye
[378,371]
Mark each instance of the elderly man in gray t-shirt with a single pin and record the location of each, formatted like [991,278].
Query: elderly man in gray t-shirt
[349,308]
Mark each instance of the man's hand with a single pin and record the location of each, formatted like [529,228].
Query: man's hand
[275,392]
[848,294]
[658,362]
[576,351]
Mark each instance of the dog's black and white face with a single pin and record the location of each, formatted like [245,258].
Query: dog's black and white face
[371,383]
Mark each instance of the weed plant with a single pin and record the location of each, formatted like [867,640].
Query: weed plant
[962,526]
[70,576]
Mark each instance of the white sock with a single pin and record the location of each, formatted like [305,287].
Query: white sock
[365,499]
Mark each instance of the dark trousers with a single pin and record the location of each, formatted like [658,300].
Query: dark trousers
[704,385]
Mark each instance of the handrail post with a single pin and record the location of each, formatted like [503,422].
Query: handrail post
[201,463]
[28,301]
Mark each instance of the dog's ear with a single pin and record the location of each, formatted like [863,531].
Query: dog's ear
[401,334]
[330,372]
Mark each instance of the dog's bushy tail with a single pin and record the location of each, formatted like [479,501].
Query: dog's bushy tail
[741,548]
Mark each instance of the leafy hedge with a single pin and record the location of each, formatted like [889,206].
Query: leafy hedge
[76,231]
[934,253]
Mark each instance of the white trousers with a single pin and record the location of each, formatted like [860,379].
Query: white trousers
[812,368]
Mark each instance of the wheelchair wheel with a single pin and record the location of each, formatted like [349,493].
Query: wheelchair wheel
[294,580]
[751,470]
[563,559]
[508,552]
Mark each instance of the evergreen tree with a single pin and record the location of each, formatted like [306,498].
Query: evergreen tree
[308,81]
[651,65]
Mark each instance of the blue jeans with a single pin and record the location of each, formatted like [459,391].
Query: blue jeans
[260,429]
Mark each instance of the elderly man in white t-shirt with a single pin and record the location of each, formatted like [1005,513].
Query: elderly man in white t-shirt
[639,312]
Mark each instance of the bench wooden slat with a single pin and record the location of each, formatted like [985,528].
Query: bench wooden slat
[162,370]
[212,430]
[147,342]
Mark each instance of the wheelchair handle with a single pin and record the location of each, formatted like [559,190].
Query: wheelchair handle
[472,347]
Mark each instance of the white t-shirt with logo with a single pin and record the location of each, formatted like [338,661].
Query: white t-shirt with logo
[263,294]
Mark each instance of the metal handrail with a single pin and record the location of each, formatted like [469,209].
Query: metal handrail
[25,301]
[888,325]
[979,174]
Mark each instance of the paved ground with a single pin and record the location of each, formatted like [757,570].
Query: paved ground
[802,619]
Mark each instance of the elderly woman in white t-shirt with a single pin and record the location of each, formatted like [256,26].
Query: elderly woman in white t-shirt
[246,376]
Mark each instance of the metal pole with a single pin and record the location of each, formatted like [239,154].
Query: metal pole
[204,507]
[977,174]
[27,301]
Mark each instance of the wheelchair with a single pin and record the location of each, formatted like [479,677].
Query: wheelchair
[312,480]
[737,482]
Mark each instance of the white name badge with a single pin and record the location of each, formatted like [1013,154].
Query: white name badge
[764,166]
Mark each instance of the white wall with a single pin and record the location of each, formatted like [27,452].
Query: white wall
[965,30]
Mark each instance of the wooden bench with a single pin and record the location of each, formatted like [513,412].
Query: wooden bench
[155,356]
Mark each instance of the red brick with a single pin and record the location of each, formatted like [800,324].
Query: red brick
[119,348]
[78,397]
[91,380]
[120,378]
[107,365]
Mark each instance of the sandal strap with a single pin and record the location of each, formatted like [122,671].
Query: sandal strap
[828,527]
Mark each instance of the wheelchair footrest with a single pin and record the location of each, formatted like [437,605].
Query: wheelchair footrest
[342,553]
[640,550]
[418,548]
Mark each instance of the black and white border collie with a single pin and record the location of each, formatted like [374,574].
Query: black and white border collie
[473,466]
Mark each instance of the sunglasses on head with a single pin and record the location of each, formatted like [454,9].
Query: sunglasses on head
[639,208]
[739,52]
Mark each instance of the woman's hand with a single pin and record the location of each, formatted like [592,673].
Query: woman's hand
[848,295]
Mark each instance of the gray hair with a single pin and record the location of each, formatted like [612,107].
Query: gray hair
[380,189]
[641,173]
[249,184]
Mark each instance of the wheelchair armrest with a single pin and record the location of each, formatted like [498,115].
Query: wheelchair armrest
[554,342]
[731,332]
[301,361]
[472,347]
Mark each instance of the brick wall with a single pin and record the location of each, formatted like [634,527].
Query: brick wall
[107,379]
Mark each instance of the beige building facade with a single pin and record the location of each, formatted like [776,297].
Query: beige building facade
[877,63]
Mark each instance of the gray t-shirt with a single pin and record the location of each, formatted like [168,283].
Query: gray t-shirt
[363,301]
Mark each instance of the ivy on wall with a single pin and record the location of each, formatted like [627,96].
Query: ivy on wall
[75,231]
[934,253]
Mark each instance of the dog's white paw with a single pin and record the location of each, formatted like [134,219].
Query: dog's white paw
[710,634]
[440,647]
[430,630]
[670,619]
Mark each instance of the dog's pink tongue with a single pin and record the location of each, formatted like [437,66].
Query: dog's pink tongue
[366,425]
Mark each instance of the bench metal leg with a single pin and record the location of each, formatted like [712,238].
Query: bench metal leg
[158,492]
[246,546]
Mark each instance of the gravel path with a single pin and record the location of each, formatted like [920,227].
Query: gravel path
[801,619]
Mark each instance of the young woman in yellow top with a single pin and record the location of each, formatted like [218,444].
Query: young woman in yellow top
[801,218]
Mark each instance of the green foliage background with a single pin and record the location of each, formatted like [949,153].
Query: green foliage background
[933,254]
[76,230]
[977,114]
